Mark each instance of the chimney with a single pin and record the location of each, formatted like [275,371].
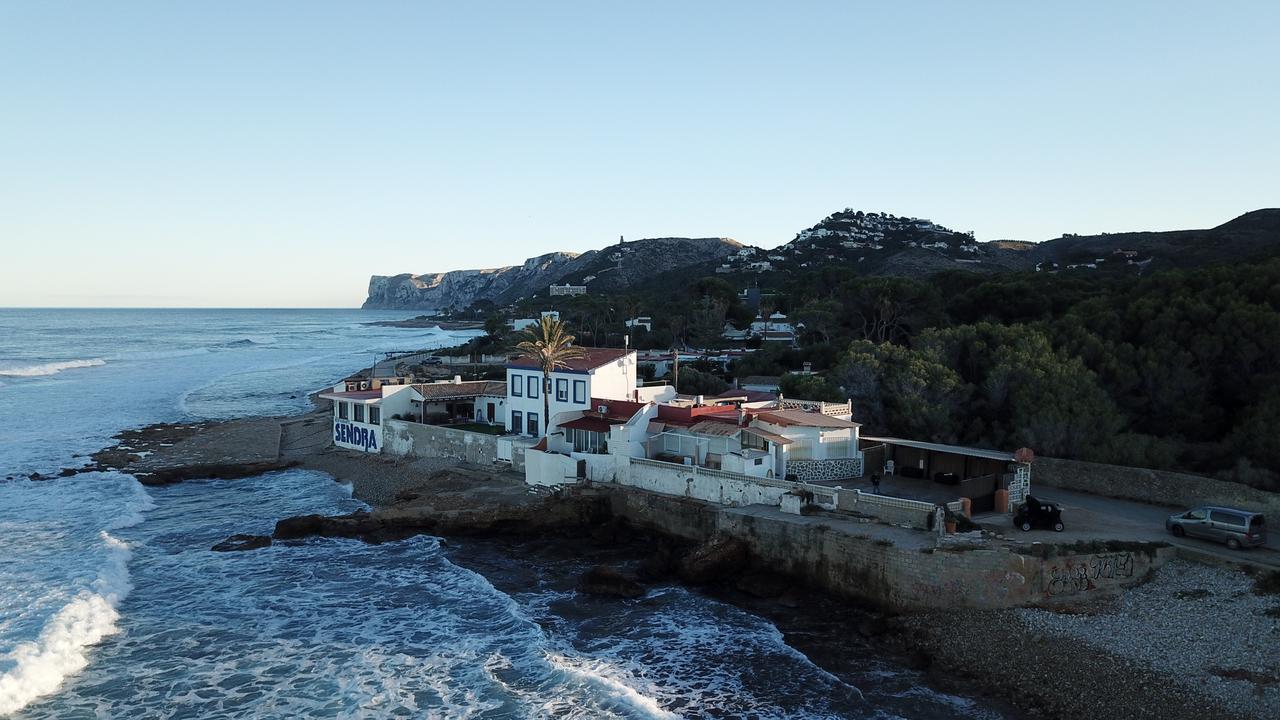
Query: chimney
[808,368]
[697,400]
[457,379]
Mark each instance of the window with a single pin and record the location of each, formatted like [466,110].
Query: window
[580,391]
[588,441]
[517,421]
[562,390]
[750,440]
[533,423]
[342,411]
[1196,514]
[358,414]
[534,382]
[1227,518]
[375,415]
[517,385]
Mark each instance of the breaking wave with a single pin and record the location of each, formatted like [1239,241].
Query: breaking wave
[38,667]
[62,649]
[50,368]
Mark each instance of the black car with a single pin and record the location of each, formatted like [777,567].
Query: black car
[1034,513]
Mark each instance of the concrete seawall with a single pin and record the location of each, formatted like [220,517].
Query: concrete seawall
[896,567]
[418,440]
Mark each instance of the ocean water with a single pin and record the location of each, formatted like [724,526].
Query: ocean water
[113,606]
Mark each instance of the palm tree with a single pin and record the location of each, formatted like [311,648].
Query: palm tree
[552,347]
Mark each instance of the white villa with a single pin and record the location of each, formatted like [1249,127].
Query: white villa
[775,328]
[608,373]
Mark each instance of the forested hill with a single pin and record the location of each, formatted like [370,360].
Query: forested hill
[1252,235]
[845,243]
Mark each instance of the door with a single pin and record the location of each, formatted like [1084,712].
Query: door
[489,417]
[1196,523]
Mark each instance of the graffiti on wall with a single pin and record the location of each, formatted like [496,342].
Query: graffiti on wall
[1077,575]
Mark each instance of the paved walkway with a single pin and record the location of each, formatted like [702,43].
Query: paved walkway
[1093,517]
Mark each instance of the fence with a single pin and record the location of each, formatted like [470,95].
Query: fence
[899,511]
[718,486]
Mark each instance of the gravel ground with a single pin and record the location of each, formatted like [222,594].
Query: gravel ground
[1202,625]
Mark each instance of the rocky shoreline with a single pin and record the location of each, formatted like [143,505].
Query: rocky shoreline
[427,321]
[998,655]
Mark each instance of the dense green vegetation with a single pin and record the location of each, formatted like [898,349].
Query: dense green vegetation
[1177,370]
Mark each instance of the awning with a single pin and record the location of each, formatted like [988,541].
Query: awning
[590,424]
[766,435]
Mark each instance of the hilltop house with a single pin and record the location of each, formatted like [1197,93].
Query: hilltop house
[774,328]
[568,289]
[608,373]
[519,324]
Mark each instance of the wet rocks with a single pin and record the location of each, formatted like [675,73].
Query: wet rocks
[717,559]
[606,580]
[659,565]
[765,585]
[242,542]
[395,524]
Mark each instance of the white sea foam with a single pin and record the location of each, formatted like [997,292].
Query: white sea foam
[50,368]
[601,677]
[61,650]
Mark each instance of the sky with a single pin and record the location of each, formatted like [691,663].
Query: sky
[277,154]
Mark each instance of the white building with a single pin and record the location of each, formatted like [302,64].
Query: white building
[358,415]
[519,324]
[568,289]
[479,401]
[775,328]
[608,373]
[766,443]
[642,321]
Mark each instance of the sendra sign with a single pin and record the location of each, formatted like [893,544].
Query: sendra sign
[363,438]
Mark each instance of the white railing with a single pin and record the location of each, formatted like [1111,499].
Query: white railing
[826,408]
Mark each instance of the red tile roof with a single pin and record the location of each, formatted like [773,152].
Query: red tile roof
[471,388]
[591,359]
[592,424]
[621,409]
[355,395]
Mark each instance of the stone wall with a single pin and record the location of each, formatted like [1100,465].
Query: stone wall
[870,566]
[1151,486]
[816,470]
[401,437]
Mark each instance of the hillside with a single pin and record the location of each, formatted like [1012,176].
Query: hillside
[459,288]
[848,242]
[616,268]
[1252,235]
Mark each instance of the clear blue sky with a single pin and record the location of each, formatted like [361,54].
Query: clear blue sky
[278,153]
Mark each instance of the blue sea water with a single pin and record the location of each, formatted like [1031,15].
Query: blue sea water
[113,606]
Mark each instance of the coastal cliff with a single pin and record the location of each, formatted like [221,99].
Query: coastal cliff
[614,268]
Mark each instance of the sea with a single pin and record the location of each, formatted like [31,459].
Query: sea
[112,604]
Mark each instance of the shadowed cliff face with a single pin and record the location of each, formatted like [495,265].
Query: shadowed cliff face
[616,267]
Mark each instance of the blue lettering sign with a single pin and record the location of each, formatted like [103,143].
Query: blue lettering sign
[365,438]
